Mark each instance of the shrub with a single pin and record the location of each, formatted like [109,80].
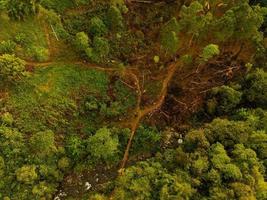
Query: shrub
[7,46]
[210,51]
[223,100]
[82,41]
[97,27]
[40,54]
[11,68]
[114,19]
[255,88]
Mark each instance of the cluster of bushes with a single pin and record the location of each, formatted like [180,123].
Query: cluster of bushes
[94,44]
[33,168]
[21,41]
[251,92]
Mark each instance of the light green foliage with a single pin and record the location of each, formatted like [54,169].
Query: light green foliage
[27,35]
[119,4]
[12,69]
[43,190]
[219,157]
[209,52]
[47,99]
[7,47]
[11,143]
[103,145]
[82,41]
[7,119]
[195,139]
[149,180]
[40,54]
[156,59]
[168,36]
[43,143]
[231,172]
[63,163]
[97,27]
[27,174]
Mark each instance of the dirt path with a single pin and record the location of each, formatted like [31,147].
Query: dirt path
[141,113]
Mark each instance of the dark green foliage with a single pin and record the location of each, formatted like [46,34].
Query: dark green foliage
[227,132]
[75,147]
[170,42]
[114,19]
[97,27]
[70,123]
[223,100]
[99,51]
[147,139]
[255,88]
[21,9]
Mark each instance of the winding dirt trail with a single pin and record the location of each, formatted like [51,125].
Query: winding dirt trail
[141,113]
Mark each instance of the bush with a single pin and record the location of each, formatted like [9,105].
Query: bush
[114,19]
[223,100]
[40,54]
[210,51]
[7,46]
[7,118]
[82,41]
[26,174]
[20,10]
[168,36]
[255,88]
[97,27]
[11,68]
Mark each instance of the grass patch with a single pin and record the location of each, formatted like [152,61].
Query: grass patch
[46,101]
[68,98]
[30,34]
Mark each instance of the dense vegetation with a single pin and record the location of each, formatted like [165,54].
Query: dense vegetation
[143,100]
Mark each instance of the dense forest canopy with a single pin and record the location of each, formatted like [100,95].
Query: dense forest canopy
[133,100]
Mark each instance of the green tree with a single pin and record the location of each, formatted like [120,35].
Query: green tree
[114,19]
[103,145]
[227,132]
[168,36]
[255,88]
[43,143]
[209,52]
[223,100]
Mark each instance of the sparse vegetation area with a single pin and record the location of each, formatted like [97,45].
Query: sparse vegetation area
[131,100]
